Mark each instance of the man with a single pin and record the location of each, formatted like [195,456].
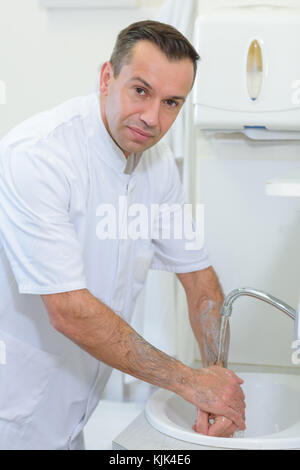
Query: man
[58,171]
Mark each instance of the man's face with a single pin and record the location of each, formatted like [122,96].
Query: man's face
[140,105]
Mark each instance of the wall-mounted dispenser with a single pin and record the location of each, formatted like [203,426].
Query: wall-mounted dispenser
[249,72]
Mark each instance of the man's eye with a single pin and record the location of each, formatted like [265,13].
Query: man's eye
[172,103]
[140,91]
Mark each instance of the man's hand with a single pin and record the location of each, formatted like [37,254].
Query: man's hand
[201,424]
[213,425]
[221,427]
[217,391]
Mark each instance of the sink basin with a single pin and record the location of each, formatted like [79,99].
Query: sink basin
[272,414]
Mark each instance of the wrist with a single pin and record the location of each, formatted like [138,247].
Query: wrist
[185,379]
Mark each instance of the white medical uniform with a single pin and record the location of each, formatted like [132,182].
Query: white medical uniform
[56,170]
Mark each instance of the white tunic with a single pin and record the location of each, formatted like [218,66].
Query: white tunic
[57,169]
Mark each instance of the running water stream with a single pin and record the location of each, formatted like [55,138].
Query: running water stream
[223,347]
[223,350]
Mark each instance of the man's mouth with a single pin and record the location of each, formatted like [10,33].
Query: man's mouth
[139,134]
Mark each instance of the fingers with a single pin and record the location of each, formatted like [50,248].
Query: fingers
[214,426]
[232,407]
[238,418]
[235,398]
[222,427]
[201,423]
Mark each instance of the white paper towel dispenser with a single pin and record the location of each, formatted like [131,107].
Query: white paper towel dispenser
[249,72]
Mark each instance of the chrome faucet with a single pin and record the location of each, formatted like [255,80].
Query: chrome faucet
[226,311]
[233,295]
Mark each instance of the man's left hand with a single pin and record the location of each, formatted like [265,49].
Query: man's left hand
[221,427]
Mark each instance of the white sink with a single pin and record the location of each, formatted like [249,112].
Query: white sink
[272,414]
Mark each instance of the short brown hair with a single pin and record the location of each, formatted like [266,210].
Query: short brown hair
[168,39]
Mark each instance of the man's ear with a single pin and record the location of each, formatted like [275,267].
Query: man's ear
[106,75]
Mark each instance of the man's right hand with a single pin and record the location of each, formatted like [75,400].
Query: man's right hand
[217,391]
[221,426]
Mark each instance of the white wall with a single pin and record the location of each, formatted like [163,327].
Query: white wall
[48,56]
[253,239]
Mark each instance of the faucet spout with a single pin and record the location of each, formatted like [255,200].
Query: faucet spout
[226,312]
[270,299]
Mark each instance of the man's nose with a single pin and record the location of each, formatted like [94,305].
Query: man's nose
[150,114]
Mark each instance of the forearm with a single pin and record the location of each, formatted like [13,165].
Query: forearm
[205,322]
[98,330]
[205,299]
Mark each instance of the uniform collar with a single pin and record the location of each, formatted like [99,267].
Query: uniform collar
[104,146]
